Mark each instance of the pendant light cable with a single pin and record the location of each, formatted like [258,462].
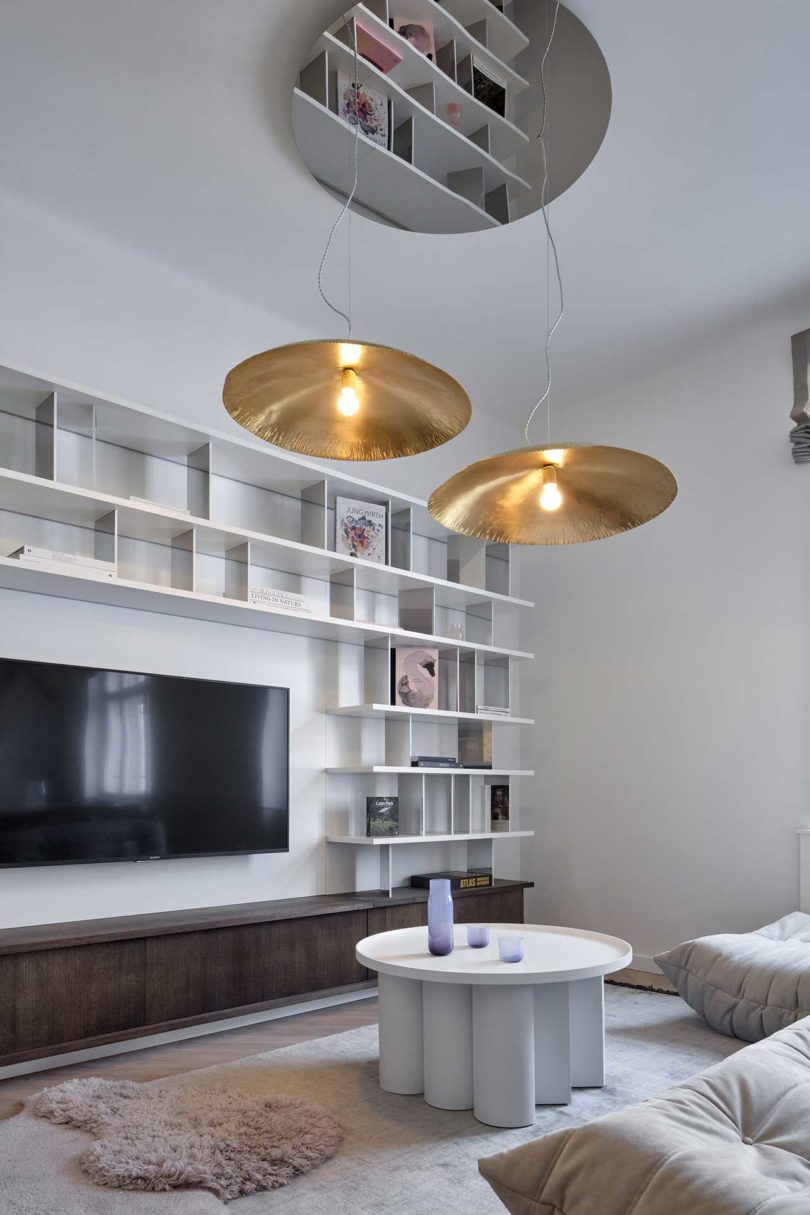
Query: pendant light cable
[550,242]
[347,316]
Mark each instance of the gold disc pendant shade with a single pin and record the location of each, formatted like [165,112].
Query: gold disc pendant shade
[346,400]
[591,492]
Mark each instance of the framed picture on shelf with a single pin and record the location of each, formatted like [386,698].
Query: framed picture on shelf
[359,104]
[415,677]
[496,807]
[382,816]
[419,34]
[360,530]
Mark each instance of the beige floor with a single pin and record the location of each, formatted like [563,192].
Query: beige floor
[155,1062]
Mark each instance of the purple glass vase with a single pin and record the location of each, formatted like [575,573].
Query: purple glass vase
[440,917]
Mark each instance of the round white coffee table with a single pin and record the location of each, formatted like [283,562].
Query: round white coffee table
[472,1032]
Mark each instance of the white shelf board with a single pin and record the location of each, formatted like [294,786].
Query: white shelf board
[439,148]
[387,184]
[416,69]
[29,495]
[394,711]
[379,841]
[382,769]
[446,26]
[505,38]
[151,597]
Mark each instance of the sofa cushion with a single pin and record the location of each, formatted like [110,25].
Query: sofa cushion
[732,1141]
[746,985]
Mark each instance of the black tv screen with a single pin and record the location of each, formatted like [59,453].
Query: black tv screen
[121,766]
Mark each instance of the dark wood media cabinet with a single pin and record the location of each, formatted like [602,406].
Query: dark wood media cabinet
[66,987]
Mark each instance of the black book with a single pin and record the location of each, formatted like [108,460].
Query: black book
[434,761]
[382,816]
[459,879]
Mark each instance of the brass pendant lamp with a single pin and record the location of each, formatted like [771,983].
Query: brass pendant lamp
[344,399]
[563,493]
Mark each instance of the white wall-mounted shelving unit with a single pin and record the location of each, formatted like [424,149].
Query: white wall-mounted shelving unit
[191,519]
[434,175]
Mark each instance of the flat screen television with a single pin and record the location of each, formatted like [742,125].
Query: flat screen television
[100,765]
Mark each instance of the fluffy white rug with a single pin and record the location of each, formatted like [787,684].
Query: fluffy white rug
[217,1139]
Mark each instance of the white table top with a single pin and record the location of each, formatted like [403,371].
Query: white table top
[551,955]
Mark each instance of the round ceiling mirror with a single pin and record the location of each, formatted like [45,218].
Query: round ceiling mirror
[448,101]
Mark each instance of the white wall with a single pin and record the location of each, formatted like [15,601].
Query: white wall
[671,743]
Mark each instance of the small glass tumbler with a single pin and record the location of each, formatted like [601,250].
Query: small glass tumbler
[477,935]
[510,948]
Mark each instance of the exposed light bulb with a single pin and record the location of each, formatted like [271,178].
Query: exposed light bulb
[550,496]
[348,401]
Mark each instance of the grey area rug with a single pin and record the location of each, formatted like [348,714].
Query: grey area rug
[398,1156]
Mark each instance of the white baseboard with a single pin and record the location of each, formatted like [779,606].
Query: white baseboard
[648,965]
[178,1035]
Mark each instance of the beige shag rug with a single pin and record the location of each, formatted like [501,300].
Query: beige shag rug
[217,1139]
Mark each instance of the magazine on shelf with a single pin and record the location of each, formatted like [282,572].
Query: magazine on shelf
[382,816]
[496,807]
[360,530]
[488,88]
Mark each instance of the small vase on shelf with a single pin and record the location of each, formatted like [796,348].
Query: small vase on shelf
[440,917]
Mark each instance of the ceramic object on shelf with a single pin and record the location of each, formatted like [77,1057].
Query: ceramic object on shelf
[455,113]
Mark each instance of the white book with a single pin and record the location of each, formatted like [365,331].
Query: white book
[269,592]
[52,554]
[266,606]
[63,567]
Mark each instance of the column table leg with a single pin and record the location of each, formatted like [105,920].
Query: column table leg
[588,1033]
[552,1044]
[400,1012]
[448,1045]
[503,1054]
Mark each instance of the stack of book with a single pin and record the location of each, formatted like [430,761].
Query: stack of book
[57,562]
[492,710]
[434,761]
[269,597]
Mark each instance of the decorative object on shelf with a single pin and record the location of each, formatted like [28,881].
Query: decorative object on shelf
[361,106]
[346,400]
[478,936]
[268,596]
[562,493]
[510,947]
[415,677]
[488,88]
[496,807]
[455,113]
[456,632]
[360,529]
[434,761]
[459,879]
[440,917]
[382,816]
[375,49]
[418,33]
[475,744]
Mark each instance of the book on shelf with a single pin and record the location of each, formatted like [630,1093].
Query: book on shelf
[34,553]
[459,879]
[382,816]
[64,567]
[268,596]
[492,710]
[496,807]
[434,761]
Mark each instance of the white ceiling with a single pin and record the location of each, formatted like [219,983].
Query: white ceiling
[166,125]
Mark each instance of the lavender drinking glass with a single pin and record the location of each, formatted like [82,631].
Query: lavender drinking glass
[477,935]
[510,948]
[440,917]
